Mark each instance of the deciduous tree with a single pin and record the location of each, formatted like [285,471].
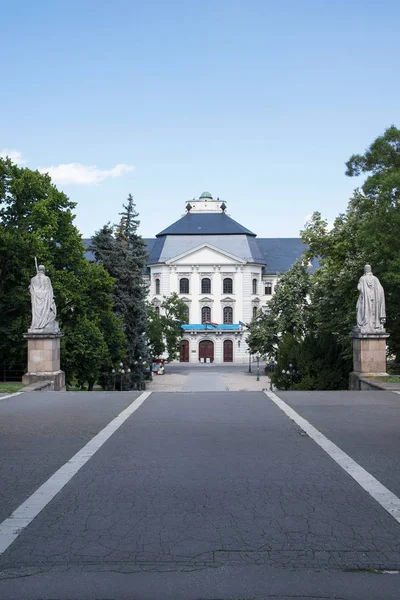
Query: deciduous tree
[36,220]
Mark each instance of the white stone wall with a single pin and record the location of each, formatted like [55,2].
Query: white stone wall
[240,354]
[209,263]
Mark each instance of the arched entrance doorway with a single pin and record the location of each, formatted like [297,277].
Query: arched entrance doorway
[228,351]
[184,355]
[206,350]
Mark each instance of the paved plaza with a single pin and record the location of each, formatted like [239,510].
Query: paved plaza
[211,377]
[199,493]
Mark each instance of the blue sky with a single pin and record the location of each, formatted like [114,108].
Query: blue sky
[258,102]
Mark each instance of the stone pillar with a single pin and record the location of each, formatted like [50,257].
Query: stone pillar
[369,356]
[44,359]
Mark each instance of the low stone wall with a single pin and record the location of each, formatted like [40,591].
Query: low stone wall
[358,381]
[51,381]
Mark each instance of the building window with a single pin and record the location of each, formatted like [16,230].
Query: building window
[157,286]
[157,310]
[205,314]
[228,315]
[184,285]
[268,289]
[254,286]
[206,286]
[228,286]
[254,311]
[186,314]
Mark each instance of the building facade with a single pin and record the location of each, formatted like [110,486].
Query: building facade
[222,272]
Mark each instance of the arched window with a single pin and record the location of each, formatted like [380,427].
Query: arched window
[205,314]
[254,286]
[206,286]
[186,314]
[157,310]
[157,286]
[184,285]
[228,287]
[254,311]
[228,314]
[268,288]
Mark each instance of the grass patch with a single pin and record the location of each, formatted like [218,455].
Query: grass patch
[390,379]
[10,388]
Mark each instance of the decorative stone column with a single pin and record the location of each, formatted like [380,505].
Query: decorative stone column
[44,359]
[369,356]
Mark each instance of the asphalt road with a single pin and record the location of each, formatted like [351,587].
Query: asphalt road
[201,495]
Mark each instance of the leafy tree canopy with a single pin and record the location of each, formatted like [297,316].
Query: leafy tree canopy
[36,220]
[165,328]
[287,312]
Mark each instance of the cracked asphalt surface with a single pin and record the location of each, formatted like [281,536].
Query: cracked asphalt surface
[201,495]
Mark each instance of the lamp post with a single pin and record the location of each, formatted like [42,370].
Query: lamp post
[258,366]
[271,369]
[140,372]
[121,371]
[146,351]
[140,364]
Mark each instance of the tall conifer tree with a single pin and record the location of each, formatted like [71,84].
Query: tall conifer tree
[123,253]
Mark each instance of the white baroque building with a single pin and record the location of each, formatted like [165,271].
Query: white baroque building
[223,273]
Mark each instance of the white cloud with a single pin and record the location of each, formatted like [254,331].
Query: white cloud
[14,155]
[75,173]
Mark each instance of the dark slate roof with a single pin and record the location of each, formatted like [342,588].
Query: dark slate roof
[280,253]
[156,250]
[205,224]
[168,247]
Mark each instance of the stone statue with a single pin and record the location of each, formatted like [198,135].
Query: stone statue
[43,305]
[371,313]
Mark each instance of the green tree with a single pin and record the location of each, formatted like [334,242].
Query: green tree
[366,233]
[288,311]
[86,353]
[381,161]
[174,314]
[262,335]
[165,329]
[155,332]
[36,220]
[288,355]
[122,252]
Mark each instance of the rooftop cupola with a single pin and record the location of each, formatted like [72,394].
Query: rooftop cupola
[205,204]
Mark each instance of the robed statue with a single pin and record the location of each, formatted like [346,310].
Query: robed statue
[43,306]
[371,313]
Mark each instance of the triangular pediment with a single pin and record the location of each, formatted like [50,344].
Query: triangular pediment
[206,254]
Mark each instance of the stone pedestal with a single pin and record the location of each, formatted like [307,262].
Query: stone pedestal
[369,356]
[44,359]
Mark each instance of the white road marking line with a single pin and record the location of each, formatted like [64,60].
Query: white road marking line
[395,391]
[379,492]
[10,395]
[11,527]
